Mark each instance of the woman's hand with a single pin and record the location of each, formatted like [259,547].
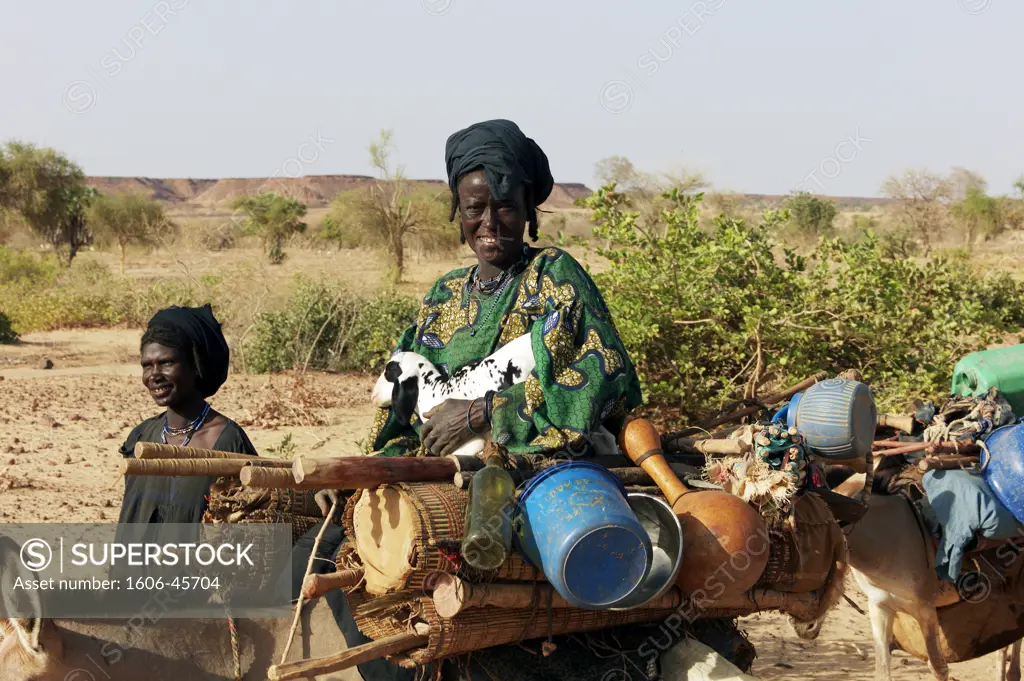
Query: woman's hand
[447,429]
[327,498]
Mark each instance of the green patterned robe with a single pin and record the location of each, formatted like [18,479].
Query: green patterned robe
[583,377]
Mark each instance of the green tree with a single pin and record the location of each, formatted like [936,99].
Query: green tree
[1019,186]
[978,214]
[272,218]
[50,194]
[922,202]
[810,214]
[392,213]
[129,218]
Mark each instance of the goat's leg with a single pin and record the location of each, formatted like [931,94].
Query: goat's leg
[881,629]
[1001,664]
[1013,663]
[928,620]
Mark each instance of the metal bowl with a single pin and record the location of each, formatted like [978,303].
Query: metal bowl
[666,535]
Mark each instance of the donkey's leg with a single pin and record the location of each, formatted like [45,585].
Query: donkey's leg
[1013,663]
[881,630]
[928,619]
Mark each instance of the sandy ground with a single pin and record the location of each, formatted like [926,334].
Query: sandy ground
[61,428]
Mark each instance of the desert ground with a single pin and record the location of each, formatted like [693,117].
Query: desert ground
[59,462]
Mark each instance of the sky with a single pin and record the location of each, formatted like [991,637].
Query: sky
[762,97]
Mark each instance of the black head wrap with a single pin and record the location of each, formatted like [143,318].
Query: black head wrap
[196,332]
[507,157]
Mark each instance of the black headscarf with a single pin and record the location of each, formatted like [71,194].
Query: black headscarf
[196,332]
[507,157]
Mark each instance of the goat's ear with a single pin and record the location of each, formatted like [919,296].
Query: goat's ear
[404,397]
[392,370]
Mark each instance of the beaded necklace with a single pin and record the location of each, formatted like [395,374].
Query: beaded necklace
[496,285]
[189,430]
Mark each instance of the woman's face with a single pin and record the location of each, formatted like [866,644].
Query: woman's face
[493,229]
[169,377]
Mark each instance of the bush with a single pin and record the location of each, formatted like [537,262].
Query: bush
[707,317]
[7,333]
[328,328]
[37,294]
[811,215]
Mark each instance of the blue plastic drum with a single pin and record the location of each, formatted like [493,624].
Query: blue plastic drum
[1003,467]
[575,524]
[837,418]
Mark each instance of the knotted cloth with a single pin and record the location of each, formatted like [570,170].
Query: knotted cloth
[197,333]
[507,156]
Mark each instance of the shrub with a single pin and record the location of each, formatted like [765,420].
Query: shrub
[7,333]
[37,294]
[811,215]
[707,317]
[328,328]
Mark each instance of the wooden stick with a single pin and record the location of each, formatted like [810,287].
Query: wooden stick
[885,444]
[932,448]
[452,595]
[899,422]
[269,478]
[392,645]
[771,399]
[156,450]
[710,446]
[463,479]
[367,472]
[196,467]
[309,570]
[314,585]
[946,463]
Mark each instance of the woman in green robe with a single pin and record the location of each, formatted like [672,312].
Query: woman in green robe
[583,377]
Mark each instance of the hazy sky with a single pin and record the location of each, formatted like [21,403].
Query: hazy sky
[756,94]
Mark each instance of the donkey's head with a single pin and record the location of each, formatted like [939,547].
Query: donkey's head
[30,647]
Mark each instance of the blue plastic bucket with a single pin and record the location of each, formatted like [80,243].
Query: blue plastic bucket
[1003,467]
[837,418]
[575,524]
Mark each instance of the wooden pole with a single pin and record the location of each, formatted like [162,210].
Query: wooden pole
[367,472]
[959,448]
[197,467]
[452,595]
[712,446]
[627,476]
[946,463]
[771,399]
[314,585]
[155,450]
[269,478]
[392,645]
[904,423]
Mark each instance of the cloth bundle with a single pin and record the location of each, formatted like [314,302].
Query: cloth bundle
[964,504]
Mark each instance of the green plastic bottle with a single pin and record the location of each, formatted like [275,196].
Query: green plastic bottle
[487,542]
[1001,368]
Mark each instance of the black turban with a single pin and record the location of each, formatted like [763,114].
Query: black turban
[196,332]
[507,157]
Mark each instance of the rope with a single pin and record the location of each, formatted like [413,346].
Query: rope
[309,569]
[236,653]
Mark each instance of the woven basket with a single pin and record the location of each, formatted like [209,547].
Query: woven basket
[480,628]
[264,506]
[436,516]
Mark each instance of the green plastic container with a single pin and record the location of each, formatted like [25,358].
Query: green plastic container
[1002,368]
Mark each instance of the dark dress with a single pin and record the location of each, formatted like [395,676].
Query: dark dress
[163,499]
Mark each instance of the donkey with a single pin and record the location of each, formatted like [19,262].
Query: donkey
[900,581]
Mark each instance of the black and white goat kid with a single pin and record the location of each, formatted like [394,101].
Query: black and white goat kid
[411,384]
